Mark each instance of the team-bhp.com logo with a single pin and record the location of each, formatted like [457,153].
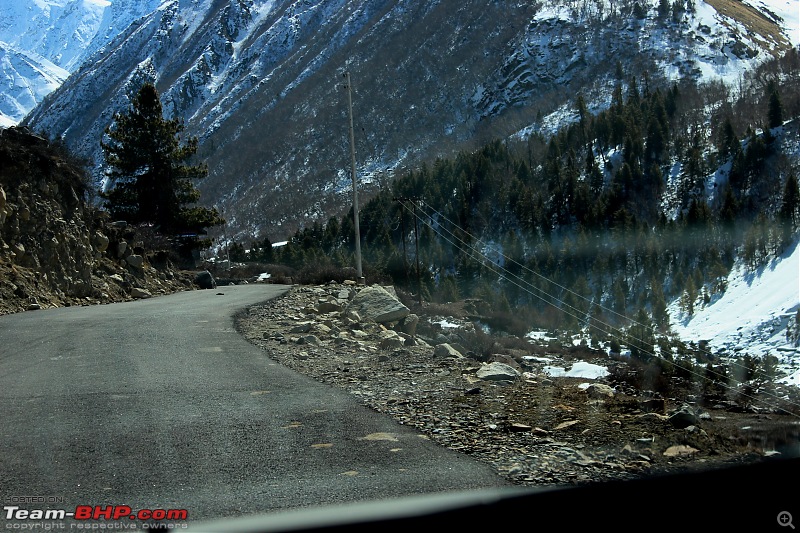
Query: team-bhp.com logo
[94,512]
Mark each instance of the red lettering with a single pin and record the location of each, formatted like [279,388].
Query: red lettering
[83,512]
[177,514]
[121,511]
[118,512]
[103,512]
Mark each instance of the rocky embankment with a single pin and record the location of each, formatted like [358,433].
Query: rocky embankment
[504,407]
[57,250]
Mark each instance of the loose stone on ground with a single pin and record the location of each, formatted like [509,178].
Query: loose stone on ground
[502,408]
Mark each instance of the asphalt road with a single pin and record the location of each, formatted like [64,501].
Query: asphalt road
[160,404]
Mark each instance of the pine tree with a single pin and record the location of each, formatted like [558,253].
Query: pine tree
[659,304]
[150,179]
[237,252]
[263,251]
[728,141]
[663,9]
[775,110]
[640,337]
[689,296]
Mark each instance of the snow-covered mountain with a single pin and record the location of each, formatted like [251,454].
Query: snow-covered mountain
[26,79]
[259,81]
[42,41]
[59,30]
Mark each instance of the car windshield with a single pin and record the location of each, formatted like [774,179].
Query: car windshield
[293,256]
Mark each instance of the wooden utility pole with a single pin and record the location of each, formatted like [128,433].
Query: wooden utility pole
[353,175]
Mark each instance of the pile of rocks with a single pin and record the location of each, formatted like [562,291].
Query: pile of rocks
[370,321]
[58,250]
[503,409]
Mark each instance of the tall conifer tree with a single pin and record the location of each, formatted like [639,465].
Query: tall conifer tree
[149,175]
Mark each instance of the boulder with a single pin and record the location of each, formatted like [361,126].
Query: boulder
[344,295]
[135,260]
[205,280]
[497,358]
[683,417]
[136,292]
[599,390]
[322,329]
[409,340]
[100,242]
[308,339]
[390,340]
[351,315]
[18,249]
[301,327]
[652,405]
[409,325]
[680,450]
[377,304]
[497,372]
[445,350]
[329,306]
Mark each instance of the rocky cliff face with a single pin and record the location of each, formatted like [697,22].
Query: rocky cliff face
[55,249]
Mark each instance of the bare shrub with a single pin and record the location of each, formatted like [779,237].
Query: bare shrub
[280,274]
[509,322]
[655,375]
[480,342]
[321,273]
[149,238]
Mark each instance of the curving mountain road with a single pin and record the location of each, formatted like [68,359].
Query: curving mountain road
[159,403]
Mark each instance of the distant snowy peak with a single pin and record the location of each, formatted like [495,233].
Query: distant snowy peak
[67,32]
[26,78]
[45,40]
[701,40]
[59,30]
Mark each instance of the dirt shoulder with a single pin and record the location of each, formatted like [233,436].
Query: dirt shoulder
[535,429]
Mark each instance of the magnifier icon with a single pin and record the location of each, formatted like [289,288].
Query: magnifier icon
[785,519]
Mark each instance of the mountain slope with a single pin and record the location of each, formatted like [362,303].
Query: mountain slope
[260,83]
[56,29]
[26,79]
[56,36]
[752,314]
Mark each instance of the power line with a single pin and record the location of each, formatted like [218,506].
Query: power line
[580,316]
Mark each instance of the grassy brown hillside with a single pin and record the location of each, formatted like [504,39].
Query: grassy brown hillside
[756,22]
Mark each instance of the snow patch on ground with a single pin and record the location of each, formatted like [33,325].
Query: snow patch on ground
[753,312]
[788,11]
[752,316]
[580,369]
